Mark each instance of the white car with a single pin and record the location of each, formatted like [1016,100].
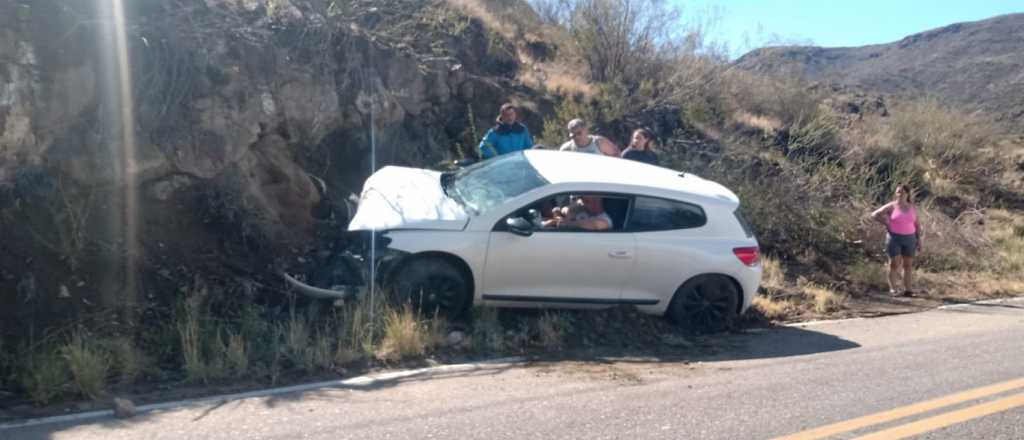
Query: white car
[676,244]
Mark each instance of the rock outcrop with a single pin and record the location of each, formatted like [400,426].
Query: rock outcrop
[115,137]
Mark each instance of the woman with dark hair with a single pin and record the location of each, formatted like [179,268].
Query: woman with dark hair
[507,136]
[641,147]
[903,240]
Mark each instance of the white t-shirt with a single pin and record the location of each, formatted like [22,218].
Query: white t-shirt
[584,215]
[591,147]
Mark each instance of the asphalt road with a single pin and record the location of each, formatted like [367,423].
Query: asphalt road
[954,373]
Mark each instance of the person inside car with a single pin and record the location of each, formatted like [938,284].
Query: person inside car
[581,141]
[585,213]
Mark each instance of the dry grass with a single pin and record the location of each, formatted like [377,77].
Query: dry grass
[773,276]
[967,285]
[552,328]
[824,299]
[1006,230]
[236,354]
[556,77]
[477,9]
[766,124]
[407,336]
[488,333]
[868,274]
[187,321]
[774,309]
[89,364]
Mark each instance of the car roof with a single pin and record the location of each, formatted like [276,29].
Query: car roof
[572,167]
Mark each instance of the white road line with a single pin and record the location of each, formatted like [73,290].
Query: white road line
[361,381]
[821,322]
[948,306]
[985,302]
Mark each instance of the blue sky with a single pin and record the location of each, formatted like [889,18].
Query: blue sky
[746,24]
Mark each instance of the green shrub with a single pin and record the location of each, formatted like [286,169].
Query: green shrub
[89,364]
[127,361]
[815,138]
[43,374]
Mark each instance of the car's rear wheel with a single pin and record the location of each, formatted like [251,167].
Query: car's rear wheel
[705,304]
[433,285]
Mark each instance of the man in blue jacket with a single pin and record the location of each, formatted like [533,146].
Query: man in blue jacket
[508,136]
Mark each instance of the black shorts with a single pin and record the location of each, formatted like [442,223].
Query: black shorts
[898,244]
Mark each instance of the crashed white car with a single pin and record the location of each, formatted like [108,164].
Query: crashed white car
[496,234]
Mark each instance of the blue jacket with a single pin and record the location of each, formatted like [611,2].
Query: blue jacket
[504,139]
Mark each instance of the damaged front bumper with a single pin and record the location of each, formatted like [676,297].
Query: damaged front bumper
[342,274]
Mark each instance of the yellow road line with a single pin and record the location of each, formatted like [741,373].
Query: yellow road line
[906,411]
[947,419]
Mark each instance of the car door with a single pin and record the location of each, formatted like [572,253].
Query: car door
[672,244]
[558,266]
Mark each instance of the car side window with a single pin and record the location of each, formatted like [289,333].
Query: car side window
[574,212]
[652,214]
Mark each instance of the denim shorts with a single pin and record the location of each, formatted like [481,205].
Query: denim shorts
[898,244]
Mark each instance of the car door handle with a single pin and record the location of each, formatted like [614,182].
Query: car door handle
[619,254]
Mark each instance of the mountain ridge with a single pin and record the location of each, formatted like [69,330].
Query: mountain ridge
[979,64]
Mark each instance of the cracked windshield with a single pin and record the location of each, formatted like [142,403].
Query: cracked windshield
[511,219]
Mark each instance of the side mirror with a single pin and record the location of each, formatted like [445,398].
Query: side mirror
[519,226]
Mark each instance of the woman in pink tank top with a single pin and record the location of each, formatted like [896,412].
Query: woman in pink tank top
[903,240]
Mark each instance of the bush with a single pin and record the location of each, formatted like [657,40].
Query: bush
[784,97]
[619,39]
[885,168]
[406,336]
[815,138]
[555,133]
[126,359]
[949,139]
[44,374]
[89,364]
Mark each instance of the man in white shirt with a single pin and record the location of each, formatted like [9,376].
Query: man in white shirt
[586,213]
[581,141]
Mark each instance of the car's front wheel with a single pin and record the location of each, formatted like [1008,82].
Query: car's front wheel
[706,304]
[433,285]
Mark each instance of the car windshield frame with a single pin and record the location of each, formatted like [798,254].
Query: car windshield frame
[493,182]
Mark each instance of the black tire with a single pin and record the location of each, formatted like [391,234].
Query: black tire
[705,304]
[433,285]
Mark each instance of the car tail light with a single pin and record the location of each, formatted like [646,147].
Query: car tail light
[750,256]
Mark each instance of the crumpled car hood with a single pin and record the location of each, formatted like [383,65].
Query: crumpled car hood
[406,198]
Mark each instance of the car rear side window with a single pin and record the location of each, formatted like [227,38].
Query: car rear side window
[651,214]
[743,222]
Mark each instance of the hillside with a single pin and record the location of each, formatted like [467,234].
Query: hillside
[157,175]
[980,64]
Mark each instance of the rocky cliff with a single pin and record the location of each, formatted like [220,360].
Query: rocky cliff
[179,133]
